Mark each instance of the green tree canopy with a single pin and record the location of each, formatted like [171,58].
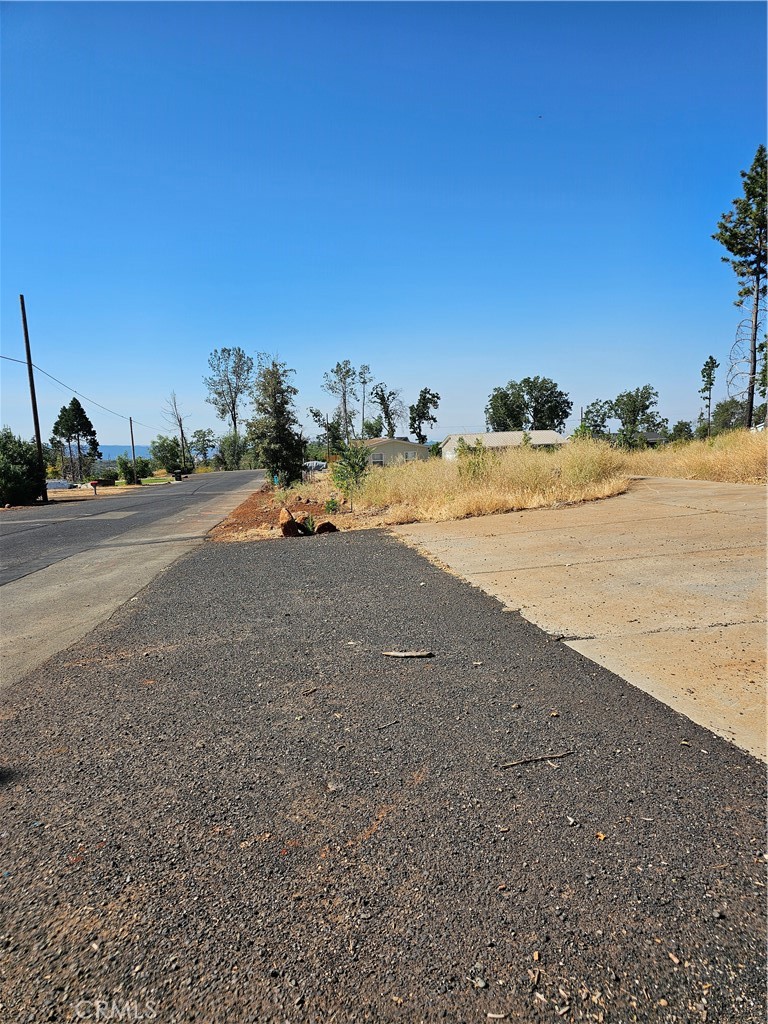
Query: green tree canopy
[230,383]
[21,479]
[73,427]
[707,383]
[202,443]
[636,411]
[390,404]
[342,383]
[534,403]
[272,431]
[422,412]
[166,453]
[682,431]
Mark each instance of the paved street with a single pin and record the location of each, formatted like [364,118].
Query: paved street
[32,539]
[68,566]
[226,804]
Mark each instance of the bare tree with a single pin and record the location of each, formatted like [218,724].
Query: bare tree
[173,415]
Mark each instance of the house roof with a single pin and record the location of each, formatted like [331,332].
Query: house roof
[373,442]
[508,438]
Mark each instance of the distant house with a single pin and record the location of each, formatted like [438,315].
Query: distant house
[501,439]
[384,451]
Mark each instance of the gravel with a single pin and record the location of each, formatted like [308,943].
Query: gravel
[226,804]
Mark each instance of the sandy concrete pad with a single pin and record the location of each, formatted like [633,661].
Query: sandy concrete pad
[664,585]
[49,610]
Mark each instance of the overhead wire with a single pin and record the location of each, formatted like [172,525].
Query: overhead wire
[80,395]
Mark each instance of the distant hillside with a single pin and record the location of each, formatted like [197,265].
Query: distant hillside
[110,452]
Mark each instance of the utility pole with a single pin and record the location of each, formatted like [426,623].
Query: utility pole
[35,418]
[133,451]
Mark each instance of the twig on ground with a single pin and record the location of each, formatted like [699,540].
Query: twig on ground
[383,727]
[529,760]
[408,654]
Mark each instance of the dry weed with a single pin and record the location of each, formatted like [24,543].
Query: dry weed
[736,457]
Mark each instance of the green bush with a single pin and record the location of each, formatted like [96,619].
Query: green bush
[125,468]
[21,479]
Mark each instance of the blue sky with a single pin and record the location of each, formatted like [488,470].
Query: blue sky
[455,194]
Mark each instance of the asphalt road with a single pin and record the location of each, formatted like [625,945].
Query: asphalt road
[227,804]
[31,539]
[72,564]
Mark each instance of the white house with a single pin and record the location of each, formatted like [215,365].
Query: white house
[384,451]
[501,439]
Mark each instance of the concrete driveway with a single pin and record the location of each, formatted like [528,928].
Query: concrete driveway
[664,586]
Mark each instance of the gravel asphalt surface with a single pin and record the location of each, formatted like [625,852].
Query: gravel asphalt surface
[226,805]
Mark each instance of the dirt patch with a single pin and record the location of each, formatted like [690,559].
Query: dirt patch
[258,518]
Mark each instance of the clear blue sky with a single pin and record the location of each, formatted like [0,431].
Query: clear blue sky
[456,194]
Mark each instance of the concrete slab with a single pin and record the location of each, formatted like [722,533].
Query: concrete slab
[664,585]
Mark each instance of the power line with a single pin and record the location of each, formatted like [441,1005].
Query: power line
[79,394]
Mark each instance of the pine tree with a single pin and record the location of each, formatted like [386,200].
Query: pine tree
[742,231]
[707,383]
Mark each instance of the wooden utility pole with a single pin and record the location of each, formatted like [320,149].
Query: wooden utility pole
[35,418]
[133,451]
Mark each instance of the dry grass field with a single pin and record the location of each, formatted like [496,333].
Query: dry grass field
[484,483]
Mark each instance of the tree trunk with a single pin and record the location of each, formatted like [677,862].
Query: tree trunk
[753,353]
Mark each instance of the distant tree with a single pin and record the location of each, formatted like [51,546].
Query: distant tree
[727,415]
[390,404]
[364,378]
[422,412]
[174,417]
[636,411]
[506,408]
[166,453]
[707,383]
[682,431]
[341,382]
[331,433]
[595,418]
[125,469]
[229,384]
[201,443]
[21,479]
[73,427]
[534,403]
[373,427]
[742,231]
[277,443]
[231,452]
[54,453]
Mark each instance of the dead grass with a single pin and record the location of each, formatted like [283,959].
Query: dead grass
[440,489]
[584,470]
[737,457]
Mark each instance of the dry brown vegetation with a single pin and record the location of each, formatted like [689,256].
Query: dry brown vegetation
[439,489]
[737,457]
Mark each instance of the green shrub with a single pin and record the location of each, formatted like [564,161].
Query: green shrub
[125,468]
[21,479]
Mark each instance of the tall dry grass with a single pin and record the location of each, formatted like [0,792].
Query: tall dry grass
[441,489]
[583,470]
[737,457]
